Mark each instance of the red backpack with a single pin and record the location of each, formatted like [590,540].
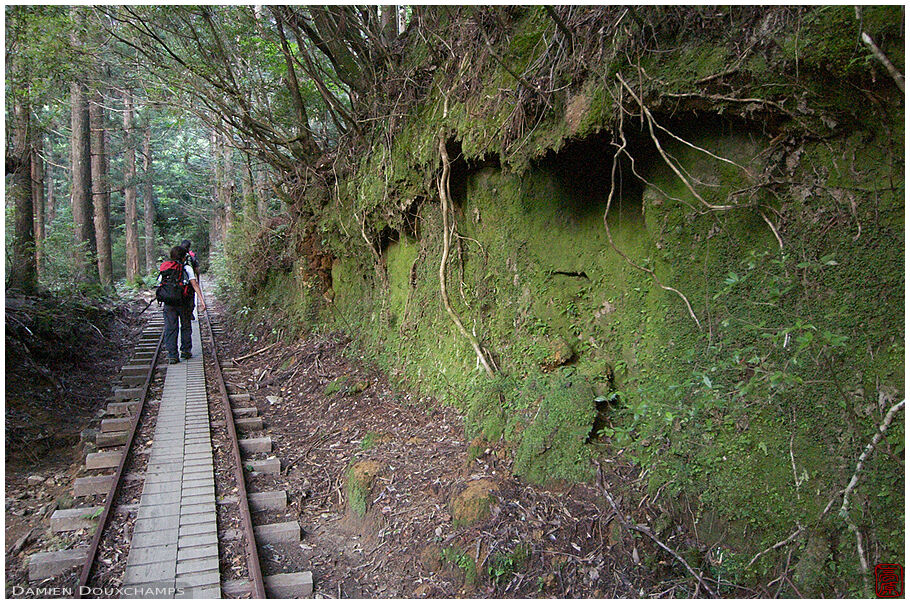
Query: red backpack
[174,288]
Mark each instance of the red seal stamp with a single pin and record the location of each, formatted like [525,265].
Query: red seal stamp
[889,580]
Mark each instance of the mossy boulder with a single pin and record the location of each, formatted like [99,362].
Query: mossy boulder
[473,504]
[339,384]
[431,557]
[360,479]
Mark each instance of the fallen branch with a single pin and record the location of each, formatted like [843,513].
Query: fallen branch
[45,373]
[252,354]
[645,531]
[306,452]
[21,542]
[443,185]
[844,513]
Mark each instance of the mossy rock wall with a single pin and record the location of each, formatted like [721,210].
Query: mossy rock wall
[753,416]
[786,332]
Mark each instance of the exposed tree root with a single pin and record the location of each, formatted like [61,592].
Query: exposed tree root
[882,58]
[777,545]
[443,185]
[780,241]
[651,272]
[647,114]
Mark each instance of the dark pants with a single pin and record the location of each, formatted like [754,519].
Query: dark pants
[173,315]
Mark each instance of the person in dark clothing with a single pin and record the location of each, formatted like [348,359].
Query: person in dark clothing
[180,315]
[191,257]
[193,262]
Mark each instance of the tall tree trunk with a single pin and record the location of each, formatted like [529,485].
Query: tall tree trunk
[23,275]
[402,18]
[101,198]
[248,206]
[51,203]
[216,217]
[262,198]
[388,23]
[227,185]
[151,258]
[38,199]
[129,190]
[81,187]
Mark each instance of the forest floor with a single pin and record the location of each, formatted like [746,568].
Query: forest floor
[393,499]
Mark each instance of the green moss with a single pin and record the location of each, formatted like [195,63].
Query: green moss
[370,440]
[400,257]
[824,46]
[472,505]
[553,445]
[339,384]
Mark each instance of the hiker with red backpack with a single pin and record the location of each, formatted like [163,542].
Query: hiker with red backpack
[177,290]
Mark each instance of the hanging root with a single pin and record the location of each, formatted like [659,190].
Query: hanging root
[651,272]
[444,197]
[780,241]
[651,123]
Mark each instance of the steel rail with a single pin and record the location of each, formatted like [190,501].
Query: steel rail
[253,565]
[115,487]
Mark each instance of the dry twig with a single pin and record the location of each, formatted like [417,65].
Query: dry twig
[252,354]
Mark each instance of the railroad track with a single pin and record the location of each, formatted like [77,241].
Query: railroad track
[183,539]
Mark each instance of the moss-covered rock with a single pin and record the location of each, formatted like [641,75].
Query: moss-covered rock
[359,485]
[472,505]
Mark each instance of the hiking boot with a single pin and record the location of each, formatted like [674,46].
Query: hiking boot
[186,355]
[173,360]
